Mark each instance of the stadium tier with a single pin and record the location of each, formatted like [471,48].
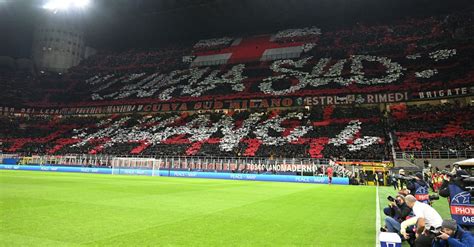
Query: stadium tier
[299,134]
[361,133]
[428,127]
[417,58]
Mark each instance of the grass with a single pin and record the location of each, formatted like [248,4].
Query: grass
[57,209]
[71,209]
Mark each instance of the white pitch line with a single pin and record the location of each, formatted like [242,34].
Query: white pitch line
[377,217]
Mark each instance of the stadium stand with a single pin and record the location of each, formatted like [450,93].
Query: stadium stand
[221,111]
[413,59]
[260,134]
[428,127]
[423,48]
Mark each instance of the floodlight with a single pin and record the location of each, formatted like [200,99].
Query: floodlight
[81,3]
[57,5]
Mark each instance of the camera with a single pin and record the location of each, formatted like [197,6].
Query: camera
[434,232]
[467,179]
[406,178]
[433,197]
[390,198]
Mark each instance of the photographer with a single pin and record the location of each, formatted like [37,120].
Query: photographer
[393,181]
[401,175]
[419,188]
[453,235]
[426,218]
[459,198]
[397,212]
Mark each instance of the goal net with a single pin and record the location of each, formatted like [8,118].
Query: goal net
[136,166]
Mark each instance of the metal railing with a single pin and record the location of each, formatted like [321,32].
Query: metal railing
[443,154]
[246,158]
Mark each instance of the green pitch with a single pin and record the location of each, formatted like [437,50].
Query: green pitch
[68,209]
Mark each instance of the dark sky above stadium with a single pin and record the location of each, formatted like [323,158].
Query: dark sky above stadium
[124,24]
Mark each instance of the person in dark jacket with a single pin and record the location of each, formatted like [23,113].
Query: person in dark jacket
[396,213]
[419,188]
[453,235]
[393,181]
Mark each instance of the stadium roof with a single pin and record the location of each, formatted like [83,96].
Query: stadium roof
[151,23]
